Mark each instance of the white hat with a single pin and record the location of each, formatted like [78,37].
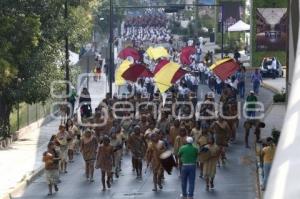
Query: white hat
[251,91]
[189,140]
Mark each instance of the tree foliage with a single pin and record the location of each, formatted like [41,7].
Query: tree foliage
[32,34]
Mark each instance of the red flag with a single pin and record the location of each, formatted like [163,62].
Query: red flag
[136,71]
[129,52]
[225,68]
[186,53]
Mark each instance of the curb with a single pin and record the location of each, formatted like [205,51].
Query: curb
[258,168]
[24,183]
[271,88]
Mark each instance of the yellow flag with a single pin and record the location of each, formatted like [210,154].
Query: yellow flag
[158,52]
[119,80]
[150,52]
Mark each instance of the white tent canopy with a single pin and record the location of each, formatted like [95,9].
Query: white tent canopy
[239,26]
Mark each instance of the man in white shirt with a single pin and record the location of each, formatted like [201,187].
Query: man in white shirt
[273,68]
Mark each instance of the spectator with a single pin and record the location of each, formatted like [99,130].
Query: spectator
[241,77]
[256,80]
[188,155]
[267,154]
[251,104]
[273,68]
[237,55]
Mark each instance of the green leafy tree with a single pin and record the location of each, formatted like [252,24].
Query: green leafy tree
[32,36]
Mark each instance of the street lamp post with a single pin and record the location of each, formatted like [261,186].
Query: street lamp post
[67,68]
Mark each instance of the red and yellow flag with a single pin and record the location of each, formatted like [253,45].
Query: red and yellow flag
[119,80]
[166,73]
[225,68]
[136,71]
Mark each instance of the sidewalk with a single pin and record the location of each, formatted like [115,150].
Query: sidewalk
[274,116]
[275,85]
[23,160]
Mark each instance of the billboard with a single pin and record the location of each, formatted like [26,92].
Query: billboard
[271,29]
[232,12]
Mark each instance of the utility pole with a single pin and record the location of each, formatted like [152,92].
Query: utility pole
[67,68]
[222,29]
[111,58]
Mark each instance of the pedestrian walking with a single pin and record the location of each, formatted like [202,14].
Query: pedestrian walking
[251,101]
[209,165]
[137,146]
[221,131]
[179,141]
[188,155]
[62,138]
[241,77]
[72,131]
[174,131]
[105,162]
[154,150]
[201,142]
[117,144]
[268,153]
[88,149]
[256,80]
[51,160]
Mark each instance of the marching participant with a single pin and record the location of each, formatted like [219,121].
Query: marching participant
[117,143]
[137,146]
[105,162]
[88,148]
[209,165]
[179,141]
[155,149]
[221,130]
[62,140]
[51,159]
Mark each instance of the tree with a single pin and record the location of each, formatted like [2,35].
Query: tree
[32,36]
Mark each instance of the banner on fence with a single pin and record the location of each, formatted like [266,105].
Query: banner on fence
[271,29]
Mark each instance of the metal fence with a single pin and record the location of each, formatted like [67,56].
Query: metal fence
[25,114]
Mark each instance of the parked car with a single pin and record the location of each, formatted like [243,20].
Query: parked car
[266,67]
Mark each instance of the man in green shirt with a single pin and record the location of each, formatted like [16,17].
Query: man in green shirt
[188,156]
[251,104]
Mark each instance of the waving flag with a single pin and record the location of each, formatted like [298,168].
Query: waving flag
[166,73]
[149,52]
[156,53]
[122,68]
[136,71]
[129,52]
[225,68]
[186,54]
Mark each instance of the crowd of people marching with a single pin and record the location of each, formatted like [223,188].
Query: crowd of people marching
[159,131]
[103,137]
[149,27]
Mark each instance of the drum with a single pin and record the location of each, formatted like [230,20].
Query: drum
[168,161]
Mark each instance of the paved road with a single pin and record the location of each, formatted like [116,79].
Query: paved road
[237,180]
